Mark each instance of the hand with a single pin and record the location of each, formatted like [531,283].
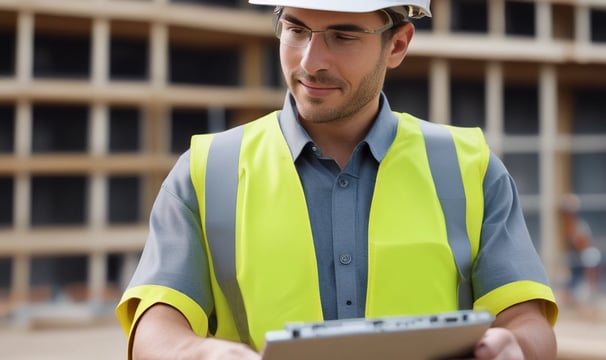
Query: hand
[215,349]
[498,344]
[163,333]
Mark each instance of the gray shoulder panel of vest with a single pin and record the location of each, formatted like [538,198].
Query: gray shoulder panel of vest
[221,189]
[446,173]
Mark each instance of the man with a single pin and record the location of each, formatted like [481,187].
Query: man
[335,207]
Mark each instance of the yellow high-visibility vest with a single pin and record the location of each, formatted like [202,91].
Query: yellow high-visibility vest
[266,274]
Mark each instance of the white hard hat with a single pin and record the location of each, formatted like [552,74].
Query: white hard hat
[415,8]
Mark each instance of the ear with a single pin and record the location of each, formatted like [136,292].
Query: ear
[398,45]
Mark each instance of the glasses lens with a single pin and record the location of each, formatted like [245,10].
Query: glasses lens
[340,41]
[344,41]
[292,35]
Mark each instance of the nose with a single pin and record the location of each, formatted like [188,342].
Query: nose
[316,55]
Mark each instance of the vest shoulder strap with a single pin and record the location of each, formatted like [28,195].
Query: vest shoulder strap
[221,188]
[220,196]
[446,174]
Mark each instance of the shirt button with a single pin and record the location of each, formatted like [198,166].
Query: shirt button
[345,259]
[343,182]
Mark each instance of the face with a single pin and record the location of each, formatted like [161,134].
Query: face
[330,85]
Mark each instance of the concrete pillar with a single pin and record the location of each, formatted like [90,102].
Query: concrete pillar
[439,91]
[494,106]
[548,100]
[25,47]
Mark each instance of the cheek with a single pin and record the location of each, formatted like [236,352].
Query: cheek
[355,70]
[288,59]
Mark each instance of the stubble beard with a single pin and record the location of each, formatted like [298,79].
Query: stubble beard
[316,110]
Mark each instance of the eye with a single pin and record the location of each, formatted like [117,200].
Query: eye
[344,36]
[294,30]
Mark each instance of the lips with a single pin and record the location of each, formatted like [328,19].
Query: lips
[318,90]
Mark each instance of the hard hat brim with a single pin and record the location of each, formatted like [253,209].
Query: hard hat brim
[346,6]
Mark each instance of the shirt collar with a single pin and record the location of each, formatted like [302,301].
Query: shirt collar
[379,138]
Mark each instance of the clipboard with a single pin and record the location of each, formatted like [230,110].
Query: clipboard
[424,337]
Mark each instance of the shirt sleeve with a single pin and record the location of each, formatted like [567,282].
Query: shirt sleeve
[173,268]
[507,269]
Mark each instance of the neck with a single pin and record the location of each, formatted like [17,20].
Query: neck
[338,138]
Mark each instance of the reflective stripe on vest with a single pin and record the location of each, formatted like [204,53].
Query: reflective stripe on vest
[444,165]
[221,196]
[221,191]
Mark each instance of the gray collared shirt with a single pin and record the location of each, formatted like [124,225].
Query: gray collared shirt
[339,207]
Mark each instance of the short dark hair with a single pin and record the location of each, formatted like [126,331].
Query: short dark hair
[398,19]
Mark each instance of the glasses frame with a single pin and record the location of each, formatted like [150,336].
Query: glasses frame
[278,26]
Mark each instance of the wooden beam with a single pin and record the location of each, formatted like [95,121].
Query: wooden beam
[50,241]
[70,164]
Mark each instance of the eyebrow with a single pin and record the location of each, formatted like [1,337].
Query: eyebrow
[340,27]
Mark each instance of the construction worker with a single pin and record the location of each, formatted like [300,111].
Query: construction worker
[582,256]
[335,207]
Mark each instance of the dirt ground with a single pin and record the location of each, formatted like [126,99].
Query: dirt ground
[98,342]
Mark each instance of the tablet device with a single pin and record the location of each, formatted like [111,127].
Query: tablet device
[424,337]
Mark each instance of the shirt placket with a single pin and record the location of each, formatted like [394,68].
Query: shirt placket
[344,239]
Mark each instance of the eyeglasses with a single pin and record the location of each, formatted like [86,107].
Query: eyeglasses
[340,39]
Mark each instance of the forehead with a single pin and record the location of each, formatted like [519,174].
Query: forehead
[320,18]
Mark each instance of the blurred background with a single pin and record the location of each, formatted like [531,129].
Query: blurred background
[99,97]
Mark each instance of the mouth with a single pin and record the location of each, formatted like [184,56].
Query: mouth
[318,90]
